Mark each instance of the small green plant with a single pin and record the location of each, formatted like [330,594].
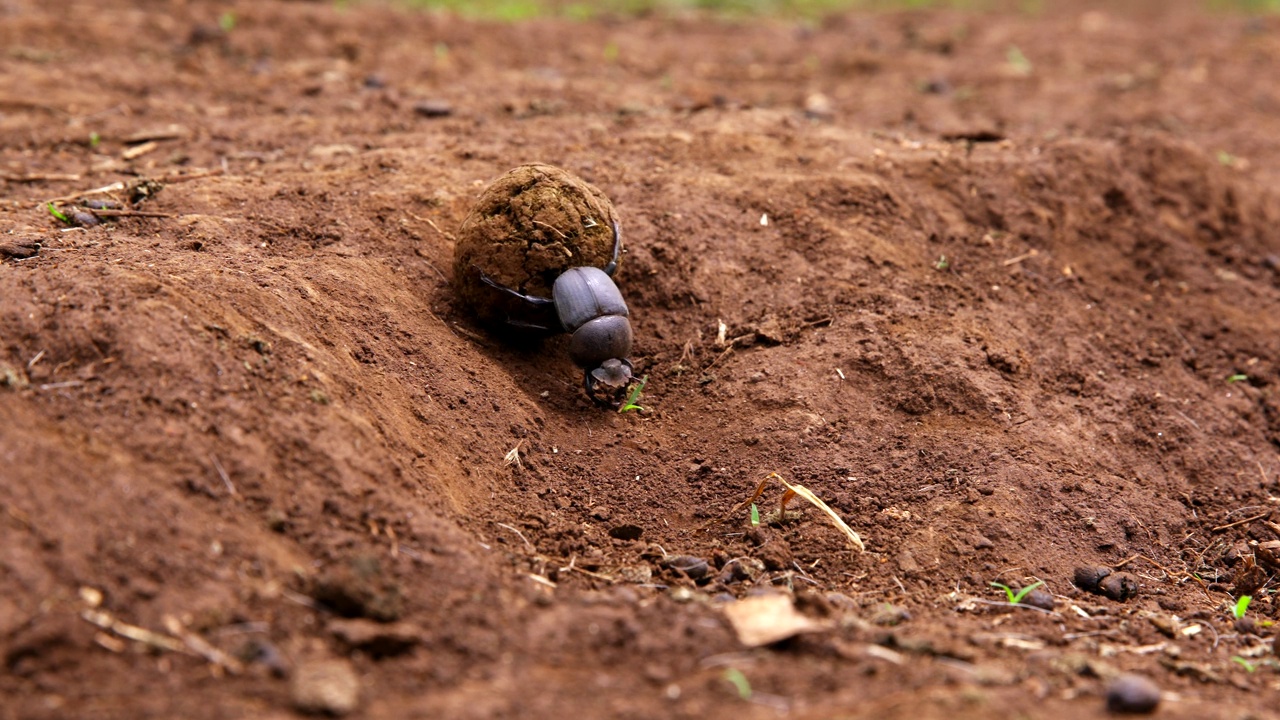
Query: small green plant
[1244,663]
[1227,159]
[54,211]
[1018,61]
[739,682]
[1242,606]
[1016,597]
[755,515]
[633,396]
[227,21]
[94,139]
[1238,377]
[942,263]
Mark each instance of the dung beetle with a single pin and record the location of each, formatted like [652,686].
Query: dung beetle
[589,307]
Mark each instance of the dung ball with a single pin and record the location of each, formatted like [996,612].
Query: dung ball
[530,225]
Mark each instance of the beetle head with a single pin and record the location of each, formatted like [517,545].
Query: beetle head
[608,383]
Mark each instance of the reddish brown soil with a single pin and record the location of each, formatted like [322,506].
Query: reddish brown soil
[263,411]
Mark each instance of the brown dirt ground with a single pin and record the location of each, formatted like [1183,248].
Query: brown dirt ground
[236,424]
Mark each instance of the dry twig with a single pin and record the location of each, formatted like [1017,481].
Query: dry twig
[107,621]
[202,647]
[1245,521]
[38,177]
[518,534]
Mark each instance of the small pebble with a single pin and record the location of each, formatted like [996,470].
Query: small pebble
[682,594]
[433,108]
[1039,598]
[1133,694]
[695,568]
[818,106]
[81,218]
[326,686]
[1089,578]
[635,574]
[937,86]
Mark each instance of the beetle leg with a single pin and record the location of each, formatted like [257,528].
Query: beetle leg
[531,299]
[529,326]
[617,250]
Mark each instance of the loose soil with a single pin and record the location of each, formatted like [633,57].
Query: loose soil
[1000,288]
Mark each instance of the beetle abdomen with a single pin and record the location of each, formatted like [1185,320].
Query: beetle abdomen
[603,338]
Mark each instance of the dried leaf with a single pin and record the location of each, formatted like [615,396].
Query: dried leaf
[807,494]
[764,619]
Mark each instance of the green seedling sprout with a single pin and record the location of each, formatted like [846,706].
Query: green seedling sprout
[1242,606]
[94,139]
[1243,663]
[755,515]
[1015,598]
[1238,377]
[942,263]
[1018,61]
[54,211]
[227,21]
[739,682]
[633,396]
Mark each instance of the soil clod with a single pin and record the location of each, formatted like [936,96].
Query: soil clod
[741,570]
[1119,587]
[358,588]
[19,249]
[328,687]
[377,639]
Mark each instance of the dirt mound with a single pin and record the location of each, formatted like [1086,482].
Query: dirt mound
[1011,314]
